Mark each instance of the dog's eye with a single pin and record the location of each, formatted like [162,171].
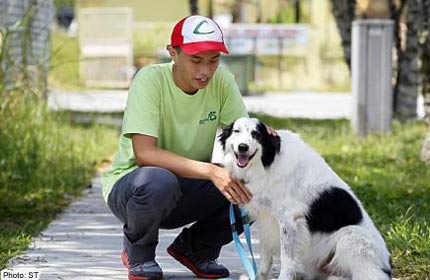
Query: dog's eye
[256,135]
[236,131]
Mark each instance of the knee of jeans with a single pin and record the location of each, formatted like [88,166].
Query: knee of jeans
[157,184]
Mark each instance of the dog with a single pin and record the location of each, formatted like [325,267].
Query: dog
[305,213]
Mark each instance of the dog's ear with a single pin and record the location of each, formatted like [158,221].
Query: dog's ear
[226,132]
[275,142]
[271,145]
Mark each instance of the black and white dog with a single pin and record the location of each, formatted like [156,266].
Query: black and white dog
[303,210]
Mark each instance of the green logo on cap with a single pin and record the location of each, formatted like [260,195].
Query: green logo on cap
[197,29]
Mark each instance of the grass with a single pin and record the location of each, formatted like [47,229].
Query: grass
[64,70]
[387,175]
[45,161]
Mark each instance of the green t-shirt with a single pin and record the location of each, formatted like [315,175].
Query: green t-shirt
[184,124]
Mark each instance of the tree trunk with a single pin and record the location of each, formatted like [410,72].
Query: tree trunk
[425,149]
[297,11]
[344,13]
[239,11]
[194,7]
[406,88]
[25,53]
[425,72]
[395,14]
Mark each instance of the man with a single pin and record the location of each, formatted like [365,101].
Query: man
[161,176]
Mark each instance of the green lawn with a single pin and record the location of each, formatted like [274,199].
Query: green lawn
[387,175]
[45,161]
[64,68]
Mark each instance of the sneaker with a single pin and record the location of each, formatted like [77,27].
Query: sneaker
[142,271]
[209,269]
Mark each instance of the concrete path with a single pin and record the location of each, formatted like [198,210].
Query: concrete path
[298,105]
[85,242]
[312,105]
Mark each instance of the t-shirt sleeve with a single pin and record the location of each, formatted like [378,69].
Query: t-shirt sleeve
[233,106]
[142,112]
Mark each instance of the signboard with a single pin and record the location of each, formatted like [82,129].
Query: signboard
[240,45]
[267,39]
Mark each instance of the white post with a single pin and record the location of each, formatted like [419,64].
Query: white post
[371,64]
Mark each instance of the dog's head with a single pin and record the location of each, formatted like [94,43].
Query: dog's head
[248,140]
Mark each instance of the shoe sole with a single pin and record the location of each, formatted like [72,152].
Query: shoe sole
[188,264]
[135,277]
[125,262]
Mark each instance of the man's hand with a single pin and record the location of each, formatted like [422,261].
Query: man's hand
[233,190]
[271,131]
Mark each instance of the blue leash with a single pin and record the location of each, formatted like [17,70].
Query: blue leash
[251,269]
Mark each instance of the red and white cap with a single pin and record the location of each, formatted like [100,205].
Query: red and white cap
[196,34]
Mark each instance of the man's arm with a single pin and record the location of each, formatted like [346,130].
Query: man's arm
[148,154]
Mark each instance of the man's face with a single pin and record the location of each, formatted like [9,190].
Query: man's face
[193,72]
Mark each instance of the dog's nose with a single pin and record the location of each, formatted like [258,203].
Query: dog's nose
[243,148]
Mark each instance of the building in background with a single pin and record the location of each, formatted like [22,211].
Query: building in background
[320,66]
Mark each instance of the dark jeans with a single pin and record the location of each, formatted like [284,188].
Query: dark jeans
[150,198]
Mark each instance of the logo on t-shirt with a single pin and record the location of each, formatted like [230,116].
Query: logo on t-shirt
[211,117]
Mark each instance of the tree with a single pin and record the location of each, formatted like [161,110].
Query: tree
[425,71]
[344,13]
[194,7]
[238,11]
[25,49]
[408,73]
[412,55]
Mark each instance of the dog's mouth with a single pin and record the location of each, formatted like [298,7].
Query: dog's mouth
[242,160]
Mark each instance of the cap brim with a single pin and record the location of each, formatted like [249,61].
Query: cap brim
[199,47]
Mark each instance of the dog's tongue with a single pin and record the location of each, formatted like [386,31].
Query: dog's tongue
[242,161]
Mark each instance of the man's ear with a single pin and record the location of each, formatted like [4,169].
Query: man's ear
[226,132]
[172,52]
